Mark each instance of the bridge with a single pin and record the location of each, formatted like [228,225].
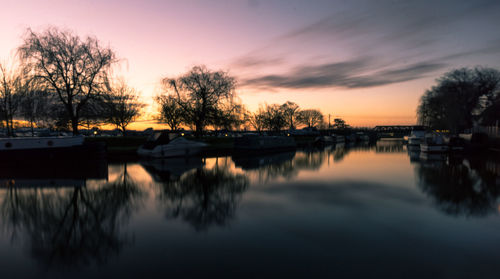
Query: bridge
[395,128]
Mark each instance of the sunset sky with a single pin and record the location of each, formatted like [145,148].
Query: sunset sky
[365,61]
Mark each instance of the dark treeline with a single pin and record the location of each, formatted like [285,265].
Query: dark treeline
[202,98]
[463,98]
[64,82]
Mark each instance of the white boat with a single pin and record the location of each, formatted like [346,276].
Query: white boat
[27,150]
[434,143]
[417,136]
[162,144]
[30,143]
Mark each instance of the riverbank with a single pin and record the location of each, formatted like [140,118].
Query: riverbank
[126,147]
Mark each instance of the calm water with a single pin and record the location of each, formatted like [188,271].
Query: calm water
[359,212]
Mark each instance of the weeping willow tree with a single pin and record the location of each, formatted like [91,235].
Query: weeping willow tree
[75,69]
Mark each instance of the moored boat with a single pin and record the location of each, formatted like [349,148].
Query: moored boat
[434,143]
[417,136]
[163,144]
[25,149]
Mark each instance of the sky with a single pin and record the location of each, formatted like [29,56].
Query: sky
[367,62]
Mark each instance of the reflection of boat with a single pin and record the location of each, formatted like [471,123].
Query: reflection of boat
[264,143]
[429,157]
[434,143]
[166,169]
[49,148]
[162,144]
[51,173]
[456,144]
[324,140]
[339,139]
[417,136]
[362,137]
[255,161]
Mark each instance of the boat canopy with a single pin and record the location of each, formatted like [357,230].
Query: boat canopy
[159,138]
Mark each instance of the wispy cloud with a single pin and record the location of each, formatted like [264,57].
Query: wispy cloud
[377,43]
[346,74]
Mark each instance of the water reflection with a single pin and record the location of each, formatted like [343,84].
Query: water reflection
[267,166]
[201,197]
[51,174]
[460,187]
[390,146]
[72,226]
[338,197]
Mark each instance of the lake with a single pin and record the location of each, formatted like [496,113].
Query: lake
[366,211]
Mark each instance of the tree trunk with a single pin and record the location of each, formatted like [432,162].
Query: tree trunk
[199,129]
[74,125]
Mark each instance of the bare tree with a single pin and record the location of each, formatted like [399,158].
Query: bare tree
[290,112]
[170,112]
[121,105]
[339,123]
[310,117]
[11,87]
[258,119]
[202,93]
[75,69]
[229,116]
[274,118]
[36,107]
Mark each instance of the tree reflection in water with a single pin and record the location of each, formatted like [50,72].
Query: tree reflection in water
[203,197]
[459,188]
[73,226]
[267,166]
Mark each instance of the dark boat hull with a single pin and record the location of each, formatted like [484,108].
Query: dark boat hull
[87,151]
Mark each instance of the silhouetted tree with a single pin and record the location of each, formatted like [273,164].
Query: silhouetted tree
[290,112]
[459,99]
[339,123]
[75,69]
[170,112]
[121,105]
[11,87]
[230,116]
[36,107]
[258,119]
[310,117]
[491,115]
[274,118]
[202,94]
